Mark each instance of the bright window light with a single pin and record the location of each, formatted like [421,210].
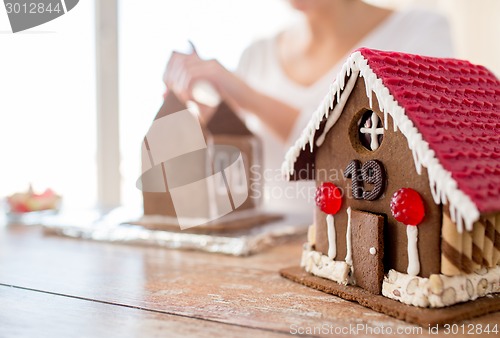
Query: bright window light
[47,107]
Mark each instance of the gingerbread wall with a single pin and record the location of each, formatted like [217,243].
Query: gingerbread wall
[470,251]
[156,203]
[340,147]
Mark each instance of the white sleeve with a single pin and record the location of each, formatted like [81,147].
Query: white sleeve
[414,31]
[300,124]
[434,37]
[243,63]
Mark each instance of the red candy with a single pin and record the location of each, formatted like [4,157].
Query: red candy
[329,198]
[407,206]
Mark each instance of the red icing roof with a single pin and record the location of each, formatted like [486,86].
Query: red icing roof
[455,105]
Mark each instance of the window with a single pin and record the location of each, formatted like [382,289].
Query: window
[370,130]
[47,107]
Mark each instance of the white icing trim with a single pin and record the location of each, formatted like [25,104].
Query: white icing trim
[322,266]
[373,251]
[413,261]
[334,116]
[436,291]
[348,239]
[373,131]
[439,291]
[443,187]
[332,240]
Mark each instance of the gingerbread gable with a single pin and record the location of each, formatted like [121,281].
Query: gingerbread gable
[447,109]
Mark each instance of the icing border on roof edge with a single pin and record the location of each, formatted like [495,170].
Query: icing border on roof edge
[443,187]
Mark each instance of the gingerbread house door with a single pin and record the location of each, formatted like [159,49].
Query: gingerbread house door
[368,250]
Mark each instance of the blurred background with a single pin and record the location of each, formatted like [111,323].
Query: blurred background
[78,94]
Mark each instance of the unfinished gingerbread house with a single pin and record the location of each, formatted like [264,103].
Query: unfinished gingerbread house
[405,151]
[228,202]
[223,128]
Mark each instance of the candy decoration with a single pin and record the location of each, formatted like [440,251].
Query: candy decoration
[407,207]
[371,172]
[451,247]
[30,201]
[329,200]
[353,171]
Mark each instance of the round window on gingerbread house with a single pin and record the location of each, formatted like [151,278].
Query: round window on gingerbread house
[369,132]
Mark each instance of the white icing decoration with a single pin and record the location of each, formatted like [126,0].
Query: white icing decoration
[373,131]
[411,290]
[320,265]
[443,187]
[332,245]
[373,251]
[334,116]
[348,256]
[204,92]
[439,291]
[413,261]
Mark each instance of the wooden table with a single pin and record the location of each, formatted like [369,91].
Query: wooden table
[59,287]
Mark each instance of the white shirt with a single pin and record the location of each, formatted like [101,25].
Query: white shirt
[412,31]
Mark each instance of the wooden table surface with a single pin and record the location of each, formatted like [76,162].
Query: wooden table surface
[60,287]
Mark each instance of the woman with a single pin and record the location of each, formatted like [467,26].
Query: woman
[280,81]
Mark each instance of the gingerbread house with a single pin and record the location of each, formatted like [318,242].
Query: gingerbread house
[232,149]
[405,152]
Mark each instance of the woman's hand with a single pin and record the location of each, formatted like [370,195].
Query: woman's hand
[184,70]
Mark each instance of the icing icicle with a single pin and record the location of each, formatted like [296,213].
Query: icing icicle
[334,116]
